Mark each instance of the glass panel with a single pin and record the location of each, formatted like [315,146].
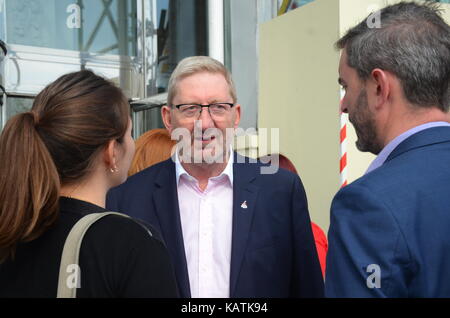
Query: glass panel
[2,106]
[145,120]
[299,3]
[181,28]
[95,26]
[16,105]
[182,32]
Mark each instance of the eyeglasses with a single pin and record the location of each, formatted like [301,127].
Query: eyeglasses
[194,110]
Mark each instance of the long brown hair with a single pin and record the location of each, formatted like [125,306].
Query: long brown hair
[54,144]
[152,147]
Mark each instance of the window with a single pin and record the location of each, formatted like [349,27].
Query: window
[95,26]
[181,32]
[48,38]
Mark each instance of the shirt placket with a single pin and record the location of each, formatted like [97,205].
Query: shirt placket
[206,263]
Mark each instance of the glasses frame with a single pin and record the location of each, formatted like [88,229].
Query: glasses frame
[202,106]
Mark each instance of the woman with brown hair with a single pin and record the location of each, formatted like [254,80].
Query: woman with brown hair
[57,163]
[152,147]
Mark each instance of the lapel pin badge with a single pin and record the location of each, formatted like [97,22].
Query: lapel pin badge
[244,204]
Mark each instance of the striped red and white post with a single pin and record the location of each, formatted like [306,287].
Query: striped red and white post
[343,145]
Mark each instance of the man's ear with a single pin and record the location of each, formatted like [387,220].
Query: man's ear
[237,118]
[166,114]
[380,87]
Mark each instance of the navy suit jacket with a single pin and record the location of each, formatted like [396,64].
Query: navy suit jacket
[273,252]
[389,229]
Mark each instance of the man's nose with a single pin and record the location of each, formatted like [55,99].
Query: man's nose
[205,117]
[343,107]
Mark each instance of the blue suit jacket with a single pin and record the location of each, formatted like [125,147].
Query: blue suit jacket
[273,252]
[396,217]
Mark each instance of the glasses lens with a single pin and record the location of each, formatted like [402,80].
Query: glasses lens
[190,110]
[219,109]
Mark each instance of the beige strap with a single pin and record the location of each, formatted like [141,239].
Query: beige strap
[69,271]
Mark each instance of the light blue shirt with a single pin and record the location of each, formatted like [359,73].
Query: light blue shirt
[384,154]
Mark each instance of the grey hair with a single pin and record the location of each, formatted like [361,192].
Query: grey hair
[413,43]
[198,64]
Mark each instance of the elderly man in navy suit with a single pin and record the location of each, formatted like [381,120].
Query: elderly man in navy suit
[231,229]
[389,229]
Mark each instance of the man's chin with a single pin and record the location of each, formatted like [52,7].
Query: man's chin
[365,147]
[211,156]
[361,147]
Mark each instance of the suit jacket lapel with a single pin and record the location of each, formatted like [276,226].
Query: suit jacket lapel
[244,200]
[167,209]
[423,138]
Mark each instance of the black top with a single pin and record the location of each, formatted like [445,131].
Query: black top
[118,258]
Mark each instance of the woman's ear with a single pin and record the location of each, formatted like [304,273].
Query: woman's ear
[110,155]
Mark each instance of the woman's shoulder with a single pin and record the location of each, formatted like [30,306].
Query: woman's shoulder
[111,226]
[126,259]
[120,228]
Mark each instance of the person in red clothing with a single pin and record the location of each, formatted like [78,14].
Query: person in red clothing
[319,236]
[321,245]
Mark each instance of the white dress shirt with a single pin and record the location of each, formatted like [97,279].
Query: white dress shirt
[206,222]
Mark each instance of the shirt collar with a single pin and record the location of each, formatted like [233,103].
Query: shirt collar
[228,171]
[384,154]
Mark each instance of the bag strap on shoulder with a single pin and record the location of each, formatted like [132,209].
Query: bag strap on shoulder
[69,275]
